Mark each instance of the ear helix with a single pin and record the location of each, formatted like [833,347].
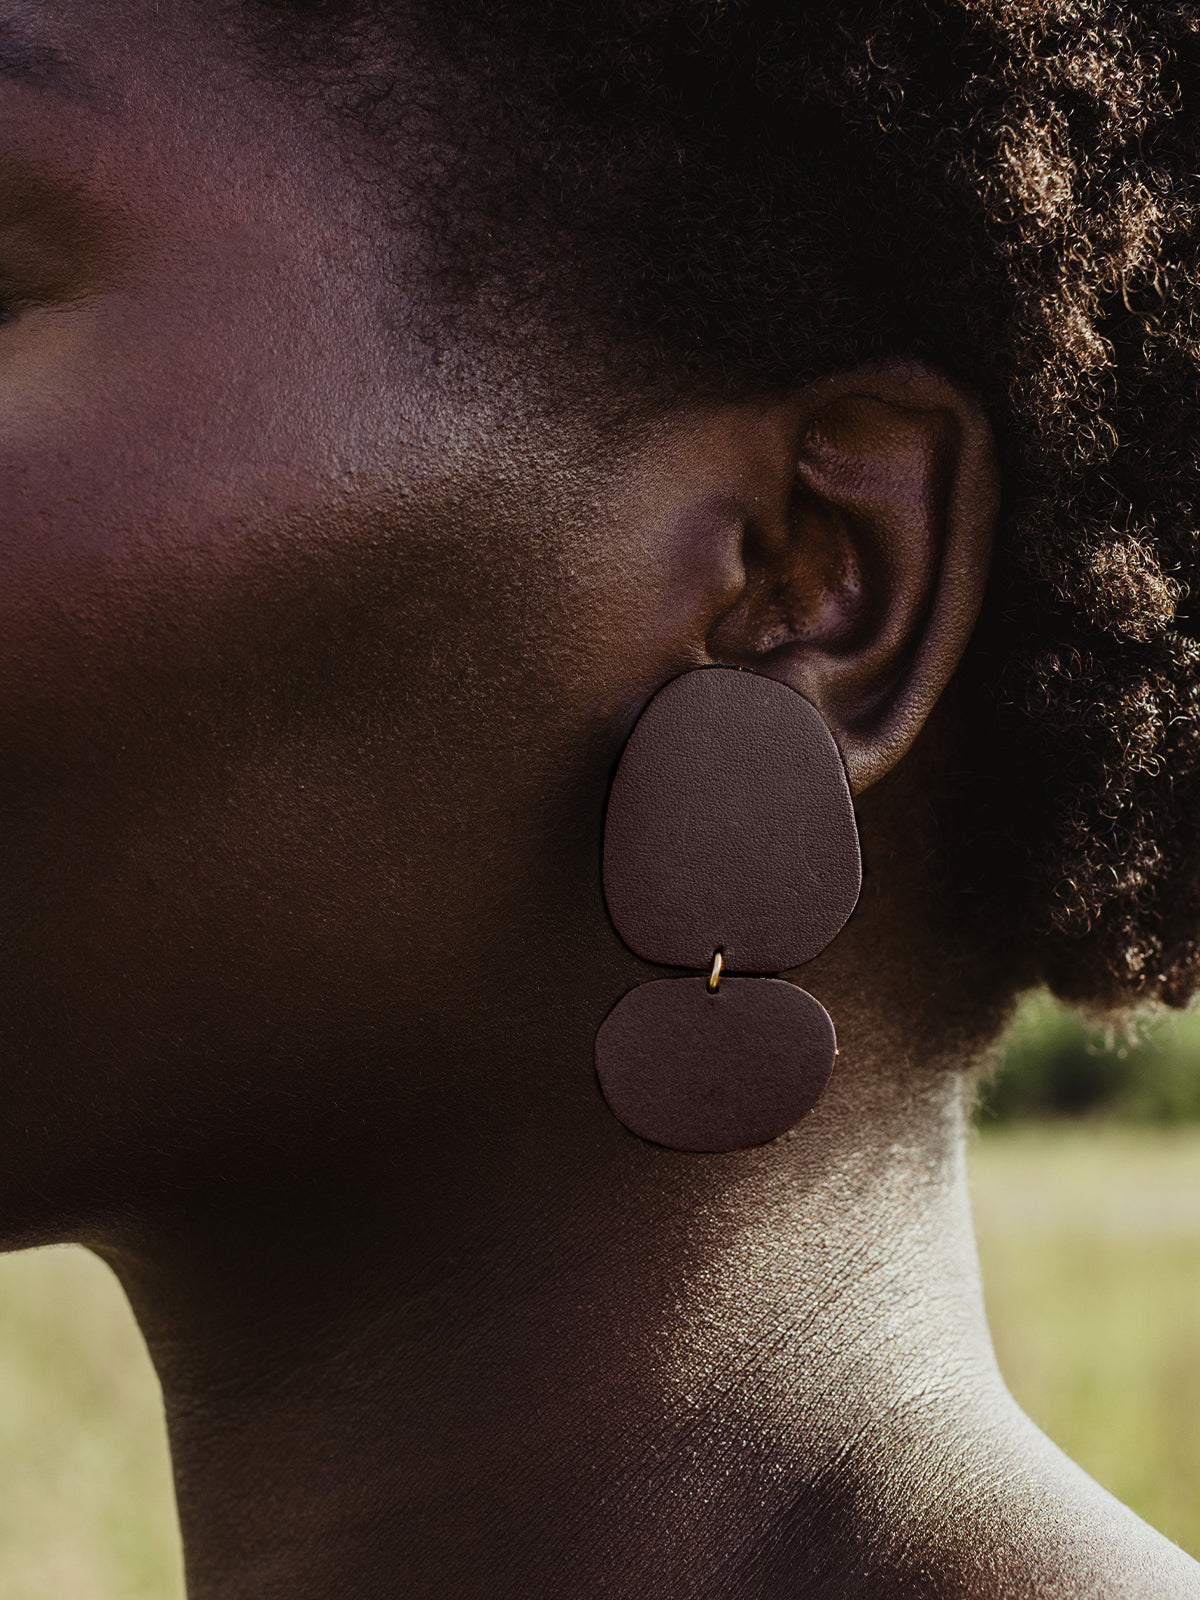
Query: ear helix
[729,846]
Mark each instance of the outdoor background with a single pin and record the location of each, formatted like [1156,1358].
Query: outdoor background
[1086,1174]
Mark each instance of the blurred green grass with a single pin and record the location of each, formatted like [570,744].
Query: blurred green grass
[1086,1182]
[1089,1240]
[86,1505]
[1086,1190]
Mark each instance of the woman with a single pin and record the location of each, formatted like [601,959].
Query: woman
[396,396]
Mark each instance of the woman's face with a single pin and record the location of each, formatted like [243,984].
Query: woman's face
[317,648]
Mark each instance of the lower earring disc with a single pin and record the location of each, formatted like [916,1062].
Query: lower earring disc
[696,1070]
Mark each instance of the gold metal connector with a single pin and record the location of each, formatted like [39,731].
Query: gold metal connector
[714,977]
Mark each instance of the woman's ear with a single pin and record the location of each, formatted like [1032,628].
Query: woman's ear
[864,576]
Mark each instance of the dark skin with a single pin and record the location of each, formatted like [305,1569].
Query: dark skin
[320,642]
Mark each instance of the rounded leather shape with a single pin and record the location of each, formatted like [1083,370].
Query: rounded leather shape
[709,1072]
[730,827]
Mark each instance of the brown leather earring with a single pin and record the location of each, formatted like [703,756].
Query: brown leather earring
[730,846]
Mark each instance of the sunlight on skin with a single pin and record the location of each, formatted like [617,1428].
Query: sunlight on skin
[1090,1240]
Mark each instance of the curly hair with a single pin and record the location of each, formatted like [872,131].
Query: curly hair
[749,193]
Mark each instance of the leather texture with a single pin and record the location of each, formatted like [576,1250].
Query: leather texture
[730,826]
[712,1072]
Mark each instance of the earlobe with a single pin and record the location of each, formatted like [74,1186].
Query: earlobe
[863,590]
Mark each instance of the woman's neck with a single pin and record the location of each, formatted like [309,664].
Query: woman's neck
[648,1375]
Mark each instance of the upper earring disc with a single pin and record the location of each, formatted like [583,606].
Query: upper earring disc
[730,826]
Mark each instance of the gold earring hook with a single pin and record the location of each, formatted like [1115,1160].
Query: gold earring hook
[714,977]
